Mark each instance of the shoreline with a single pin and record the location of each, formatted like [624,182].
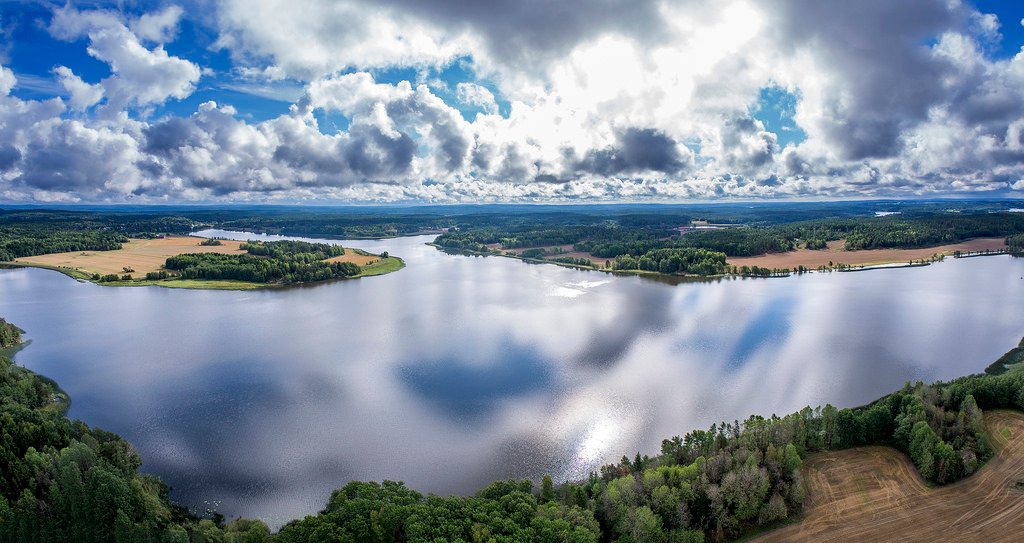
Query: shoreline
[838,267]
[838,257]
[393,264]
[380,267]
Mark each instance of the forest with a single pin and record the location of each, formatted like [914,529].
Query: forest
[1015,243]
[606,231]
[31,233]
[10,335]
[609,240]
[266,262]
[684,260]
[16,242]
[61,480]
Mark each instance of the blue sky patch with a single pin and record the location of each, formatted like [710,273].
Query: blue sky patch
[775,108]
[1010,14]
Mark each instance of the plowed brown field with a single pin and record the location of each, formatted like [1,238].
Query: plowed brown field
[875,494]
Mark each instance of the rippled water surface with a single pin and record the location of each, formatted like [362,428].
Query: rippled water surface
[457,370]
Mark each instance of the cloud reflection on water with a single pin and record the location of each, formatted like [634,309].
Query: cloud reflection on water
[458,370]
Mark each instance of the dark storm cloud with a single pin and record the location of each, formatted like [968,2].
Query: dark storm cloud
[746,145]
[170,134]
[887,78]
[9,156]
[376,155]
[637,150]
[452,144]
[329,161]
[525,31]
[74,159]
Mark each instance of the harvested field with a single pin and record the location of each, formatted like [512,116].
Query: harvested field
[354,257]
[141,255]
[875,494]
[149,255]
[835,254]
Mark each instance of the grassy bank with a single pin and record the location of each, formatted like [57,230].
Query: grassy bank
[381,267]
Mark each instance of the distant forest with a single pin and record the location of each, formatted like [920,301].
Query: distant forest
[62,481]
[614,240]
[605,231]
[658,248]
[270,262]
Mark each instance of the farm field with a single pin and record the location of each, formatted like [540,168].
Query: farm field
[355,257]
[141,255]
[149,255]
[875,494]
[835,254]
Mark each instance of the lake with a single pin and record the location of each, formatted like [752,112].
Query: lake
[460,370]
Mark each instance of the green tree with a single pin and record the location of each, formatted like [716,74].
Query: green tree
[547,489]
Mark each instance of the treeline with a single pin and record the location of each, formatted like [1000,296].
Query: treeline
[684,260]
[588,238]
[266,262]
[333,225]
[740,241]
[132,224]
[898,232]
[1003,363]
[256,269]
[10,335]
[31,233]
[1015,243]
[19,241]
[608,239]
[293,251]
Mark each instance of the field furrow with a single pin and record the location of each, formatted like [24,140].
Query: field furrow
[875,494]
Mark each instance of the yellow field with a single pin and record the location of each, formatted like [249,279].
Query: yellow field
[149,255]
[354,257]
[875,494]
[141,255]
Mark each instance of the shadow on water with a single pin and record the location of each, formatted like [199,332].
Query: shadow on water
[771,326]
[471,391]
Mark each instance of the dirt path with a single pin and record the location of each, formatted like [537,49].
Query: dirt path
[875,494]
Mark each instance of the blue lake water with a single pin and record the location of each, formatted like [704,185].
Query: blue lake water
[459,370]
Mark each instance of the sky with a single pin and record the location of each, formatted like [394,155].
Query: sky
[446,101]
